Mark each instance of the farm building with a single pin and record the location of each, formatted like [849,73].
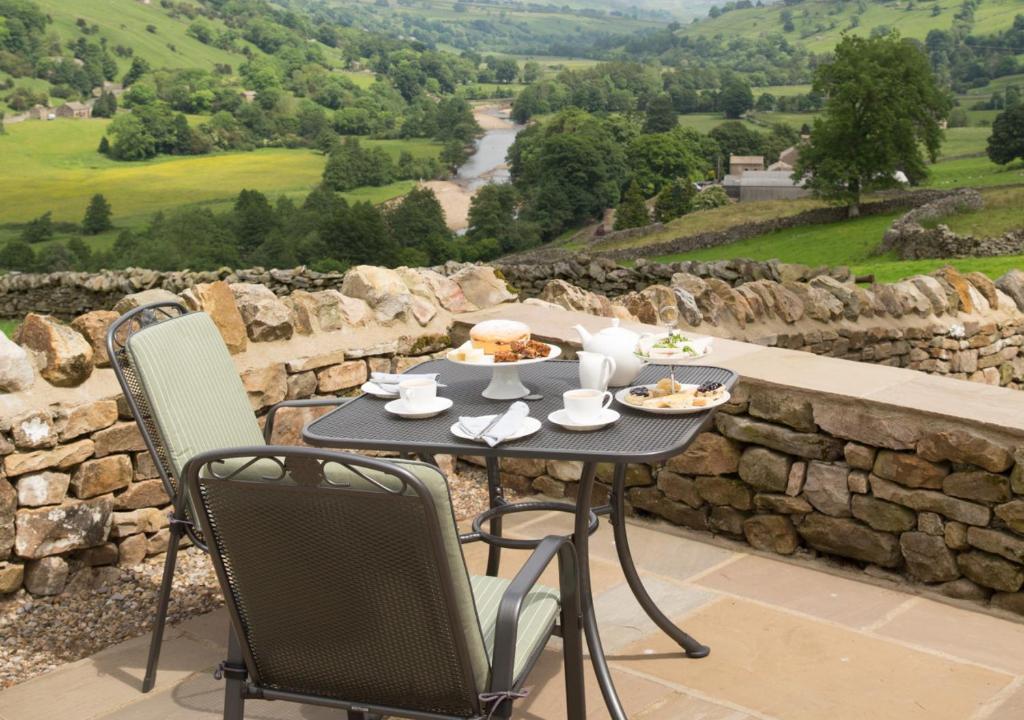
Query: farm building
[39,112]
[770,185]
[74,110]
[739,164]
[787,159]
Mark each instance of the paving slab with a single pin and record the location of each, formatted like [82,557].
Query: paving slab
[848,602]
[791,667]
[960,633]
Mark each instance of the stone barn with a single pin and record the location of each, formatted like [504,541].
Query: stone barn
[770,185]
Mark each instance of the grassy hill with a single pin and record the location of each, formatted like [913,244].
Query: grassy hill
[54,166]
[819,23]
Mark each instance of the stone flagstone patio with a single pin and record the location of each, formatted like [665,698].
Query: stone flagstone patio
[788,642]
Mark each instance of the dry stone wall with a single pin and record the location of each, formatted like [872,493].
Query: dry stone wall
[894,492]
[963,326]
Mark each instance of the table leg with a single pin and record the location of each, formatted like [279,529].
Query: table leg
[693,648]
[495,498]
[581,538]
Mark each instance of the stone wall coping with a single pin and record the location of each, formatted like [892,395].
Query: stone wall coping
[996,408]
[102,384]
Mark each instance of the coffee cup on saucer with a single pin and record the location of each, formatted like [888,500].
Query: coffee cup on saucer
[418,393]
[585,405]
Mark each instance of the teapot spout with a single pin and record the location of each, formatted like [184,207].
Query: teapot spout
[584,334]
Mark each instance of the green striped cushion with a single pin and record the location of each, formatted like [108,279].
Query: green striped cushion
[538,615]
[192,387]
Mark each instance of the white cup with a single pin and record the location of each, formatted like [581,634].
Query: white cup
[417,393]
[585,405]
[595,370]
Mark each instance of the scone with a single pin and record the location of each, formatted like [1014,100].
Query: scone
[494,336]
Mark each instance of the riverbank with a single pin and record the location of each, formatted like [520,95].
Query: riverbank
[485,165]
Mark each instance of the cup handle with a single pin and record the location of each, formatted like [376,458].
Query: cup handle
[608,397]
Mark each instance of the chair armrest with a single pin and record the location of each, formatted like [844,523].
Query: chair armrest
[268,428]
[507,625]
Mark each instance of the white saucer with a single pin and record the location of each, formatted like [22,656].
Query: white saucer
[604,418]
[372,388]
[529,427]
[435,407]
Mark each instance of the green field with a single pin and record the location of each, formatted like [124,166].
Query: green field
[359,79]
[965,141]
[852,243]
[974,172]
[54,166]
[820,23]
[781,90]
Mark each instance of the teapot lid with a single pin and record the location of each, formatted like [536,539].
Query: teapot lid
[614,330]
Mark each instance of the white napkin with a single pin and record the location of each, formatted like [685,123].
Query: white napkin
[508,425]
[388,382]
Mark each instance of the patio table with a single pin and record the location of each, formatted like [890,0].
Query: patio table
[637,437]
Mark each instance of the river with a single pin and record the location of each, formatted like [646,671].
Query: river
[485,165]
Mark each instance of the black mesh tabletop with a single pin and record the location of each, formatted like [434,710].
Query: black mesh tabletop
[363,424]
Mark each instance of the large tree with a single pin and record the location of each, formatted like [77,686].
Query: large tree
[632,211]
[881,116]
[661,115]
[736,97]
[97,216]
[1007,140]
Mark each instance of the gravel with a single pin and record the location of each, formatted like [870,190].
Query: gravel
[106,605]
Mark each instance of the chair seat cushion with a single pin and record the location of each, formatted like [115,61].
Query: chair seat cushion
[538,615]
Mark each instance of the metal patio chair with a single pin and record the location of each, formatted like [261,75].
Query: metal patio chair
[186,396]
[346,588]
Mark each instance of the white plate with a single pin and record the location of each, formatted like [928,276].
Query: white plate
[605,418]
[372,388]
[554,352]
[624,392]
[529,427]
[644,347]
[398,407]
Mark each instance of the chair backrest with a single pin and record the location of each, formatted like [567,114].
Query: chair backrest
[192,398]
[343,577]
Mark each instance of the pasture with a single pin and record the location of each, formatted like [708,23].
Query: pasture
[54,166]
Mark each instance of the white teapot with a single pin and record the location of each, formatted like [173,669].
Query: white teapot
[619,344]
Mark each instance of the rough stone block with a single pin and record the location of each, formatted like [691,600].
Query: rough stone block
[781,405]
[931,501]
[709,454]
[680,488]
[826,488]
[909,470]
[848,538]
[11,577]
[1011,513]
[349,374]
[997,543]
[956,535]
[807,445]
[797,477]
[858,483]
[60,457]
[266,317]
[772,533]
[978,486]
[89,418]
[301,385]
[765,469]
[964,589]
[781,504]
[882,515]
[46,576]
[57,529]
[217,300]
[549,486]
[726,520]
[265,386]
[142,494]
[121,437]
[960,446]
[859,456]
[101,476]
[653,501]
[132,550]
[63,356]
[8,506]
[720,490]
[33,430]
[867,423]
[105,554]
[93,327]
[45,488]
[931,523]
[991,571]
[928,559]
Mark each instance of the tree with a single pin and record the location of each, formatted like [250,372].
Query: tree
[710,197]
[632,211]
[658,159]
[2,128]
[132,140]
[882,116]
[1007,140]
[253,220]
[39,229]
[418,222]
[104,148]
[97,216]
[531,71]
[105,105]
[80,252]
[674,200]
[736,97]
[661,115]
[18,255]
[738,138]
